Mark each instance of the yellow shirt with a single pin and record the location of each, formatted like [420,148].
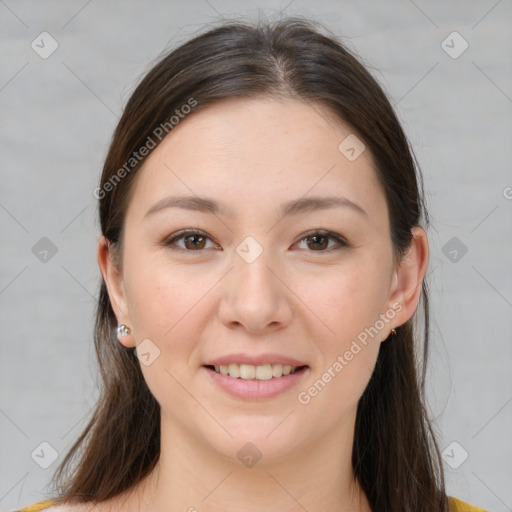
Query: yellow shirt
[40,505]
[459,506]
[455,506]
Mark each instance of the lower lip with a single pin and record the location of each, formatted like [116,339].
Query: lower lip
[254,389]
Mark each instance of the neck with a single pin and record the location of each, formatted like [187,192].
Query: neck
[194,478]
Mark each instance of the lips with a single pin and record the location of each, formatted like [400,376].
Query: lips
[256,388]
[255,360]
[256,377]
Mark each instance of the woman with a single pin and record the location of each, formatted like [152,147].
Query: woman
[263,258]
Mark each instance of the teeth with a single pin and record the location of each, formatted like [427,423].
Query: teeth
[249,371]
[277,370]
[263,372]
[233,370]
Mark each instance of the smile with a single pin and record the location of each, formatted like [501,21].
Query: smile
[256,382]
[259,372]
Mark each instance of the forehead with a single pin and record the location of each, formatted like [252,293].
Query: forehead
[258,153]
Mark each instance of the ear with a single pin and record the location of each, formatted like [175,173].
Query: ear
[113,277]
[407,279]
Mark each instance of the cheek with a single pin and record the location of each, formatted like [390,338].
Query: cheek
[167,305]
[346,299]
[164,307]
[161,296]
[348,303]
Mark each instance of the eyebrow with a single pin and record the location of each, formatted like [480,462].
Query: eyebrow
[294,207]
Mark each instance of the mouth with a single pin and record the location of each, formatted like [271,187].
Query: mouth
[256,372]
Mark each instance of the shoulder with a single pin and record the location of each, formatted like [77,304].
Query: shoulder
[55,506]
[457,505]
[40,505]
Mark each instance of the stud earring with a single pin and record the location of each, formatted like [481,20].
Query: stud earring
[122,330]
[393,332]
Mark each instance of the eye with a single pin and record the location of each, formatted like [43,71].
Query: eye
[319,239]
[195,240]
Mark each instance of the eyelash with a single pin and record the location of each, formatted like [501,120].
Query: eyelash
[324,233]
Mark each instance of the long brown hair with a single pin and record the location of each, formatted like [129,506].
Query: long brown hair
[395,455]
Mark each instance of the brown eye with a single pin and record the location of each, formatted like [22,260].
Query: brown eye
[194,241]
[318,241]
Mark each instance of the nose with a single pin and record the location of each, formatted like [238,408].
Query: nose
[256,296]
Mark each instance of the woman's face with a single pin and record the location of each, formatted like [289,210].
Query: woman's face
[256,287]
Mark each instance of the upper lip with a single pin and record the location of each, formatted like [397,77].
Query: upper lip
[256,360]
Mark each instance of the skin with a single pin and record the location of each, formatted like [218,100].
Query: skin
[295,299]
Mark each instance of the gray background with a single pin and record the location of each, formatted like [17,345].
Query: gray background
[58,114]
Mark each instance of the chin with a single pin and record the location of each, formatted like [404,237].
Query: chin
[263,444]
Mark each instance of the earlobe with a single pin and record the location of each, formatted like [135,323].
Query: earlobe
[113,277]
[408,278]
